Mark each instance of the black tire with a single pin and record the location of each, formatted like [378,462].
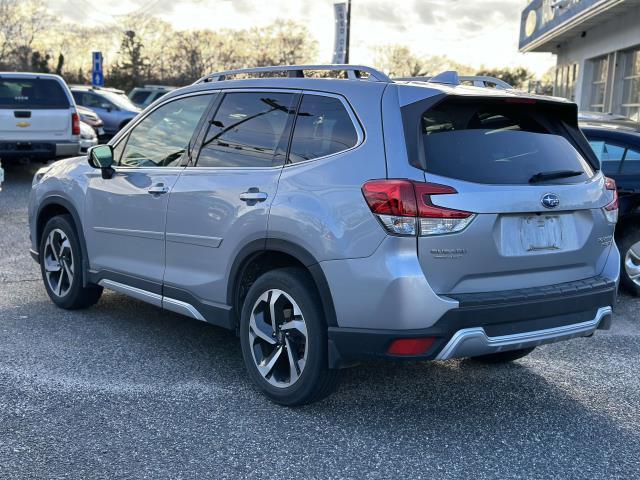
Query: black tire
[76,295]
[316,380]
[503,357]
[629,237]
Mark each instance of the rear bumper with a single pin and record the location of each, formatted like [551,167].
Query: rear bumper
[473,342]
[38,150]
[489,323]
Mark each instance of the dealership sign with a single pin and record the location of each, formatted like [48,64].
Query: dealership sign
[541,18]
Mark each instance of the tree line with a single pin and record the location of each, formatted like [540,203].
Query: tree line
[139,49]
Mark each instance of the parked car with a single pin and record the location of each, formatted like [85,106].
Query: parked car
[112,106]
[38,118]
[88,137]
[618,150]
[92,119]
[330,221]
[142,97]
[603,119]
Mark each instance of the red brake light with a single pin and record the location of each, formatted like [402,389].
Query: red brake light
[75,124]
[426,209]
[391,197]
[410,346]
[404,207]
[529,101]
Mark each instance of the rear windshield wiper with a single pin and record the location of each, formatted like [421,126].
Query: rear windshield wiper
[542,176]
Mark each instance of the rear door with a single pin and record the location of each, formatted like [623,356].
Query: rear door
[221,203]
[535,200]
[34,109]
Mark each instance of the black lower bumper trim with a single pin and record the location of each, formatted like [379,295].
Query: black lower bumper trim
[502,313]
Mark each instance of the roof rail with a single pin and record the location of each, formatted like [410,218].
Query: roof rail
[354,72]
[475,79]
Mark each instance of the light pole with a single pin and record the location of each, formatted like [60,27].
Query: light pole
[346,53]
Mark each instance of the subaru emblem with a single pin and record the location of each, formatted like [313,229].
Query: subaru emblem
[550,200]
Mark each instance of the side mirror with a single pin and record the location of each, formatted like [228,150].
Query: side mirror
[101,156]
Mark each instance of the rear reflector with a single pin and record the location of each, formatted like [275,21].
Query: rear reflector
[397,204]
[410,346]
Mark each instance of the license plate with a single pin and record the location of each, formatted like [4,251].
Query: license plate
[541,232]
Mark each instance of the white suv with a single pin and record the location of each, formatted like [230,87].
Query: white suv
[38,118]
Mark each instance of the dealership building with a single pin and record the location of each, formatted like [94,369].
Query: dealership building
[597,43]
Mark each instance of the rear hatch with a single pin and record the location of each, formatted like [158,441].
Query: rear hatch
[34,109]
[527,191]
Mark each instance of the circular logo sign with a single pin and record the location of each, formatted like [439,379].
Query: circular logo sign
[550,200]
[531,23]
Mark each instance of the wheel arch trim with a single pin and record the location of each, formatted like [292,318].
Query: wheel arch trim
[254,248]
[67,205]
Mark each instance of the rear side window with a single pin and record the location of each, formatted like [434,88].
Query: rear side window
[32,93]
[495,142]
[631,165]
[248,130]
[610,155]
[323,127]
[140,96]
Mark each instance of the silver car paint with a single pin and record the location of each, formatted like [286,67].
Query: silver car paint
[126,226]
[318,205]
[207,223]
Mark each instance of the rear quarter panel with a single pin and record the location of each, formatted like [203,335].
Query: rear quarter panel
[319,204]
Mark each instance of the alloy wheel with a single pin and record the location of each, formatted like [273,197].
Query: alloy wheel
[632,263]
[278,338]
[58,262]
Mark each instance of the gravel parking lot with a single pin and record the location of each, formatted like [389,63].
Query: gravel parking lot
[126,390]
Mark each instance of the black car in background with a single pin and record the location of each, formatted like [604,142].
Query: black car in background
[618,149]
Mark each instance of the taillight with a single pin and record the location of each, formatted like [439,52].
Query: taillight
[611,209]
[405,207]
[75,124]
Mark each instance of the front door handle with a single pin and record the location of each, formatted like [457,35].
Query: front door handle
[253,195]
[158,189]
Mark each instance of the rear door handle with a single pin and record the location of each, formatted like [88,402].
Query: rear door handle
[253,195]
[158,189]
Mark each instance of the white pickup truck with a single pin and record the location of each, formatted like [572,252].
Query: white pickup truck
[38,118]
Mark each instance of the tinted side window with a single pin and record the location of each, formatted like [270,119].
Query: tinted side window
[162,137]
[247,130]
[609,155]
[323,127]
[32,93]
[631,165]
[140,96]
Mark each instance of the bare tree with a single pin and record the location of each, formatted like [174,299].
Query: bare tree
[21,22]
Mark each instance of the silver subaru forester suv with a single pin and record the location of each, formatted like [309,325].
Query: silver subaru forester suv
[335,218]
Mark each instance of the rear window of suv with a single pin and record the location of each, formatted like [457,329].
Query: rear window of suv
[32,93]
[495,142]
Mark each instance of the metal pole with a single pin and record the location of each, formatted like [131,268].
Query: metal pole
[346,54]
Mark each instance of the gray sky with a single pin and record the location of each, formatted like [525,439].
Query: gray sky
[474,32]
